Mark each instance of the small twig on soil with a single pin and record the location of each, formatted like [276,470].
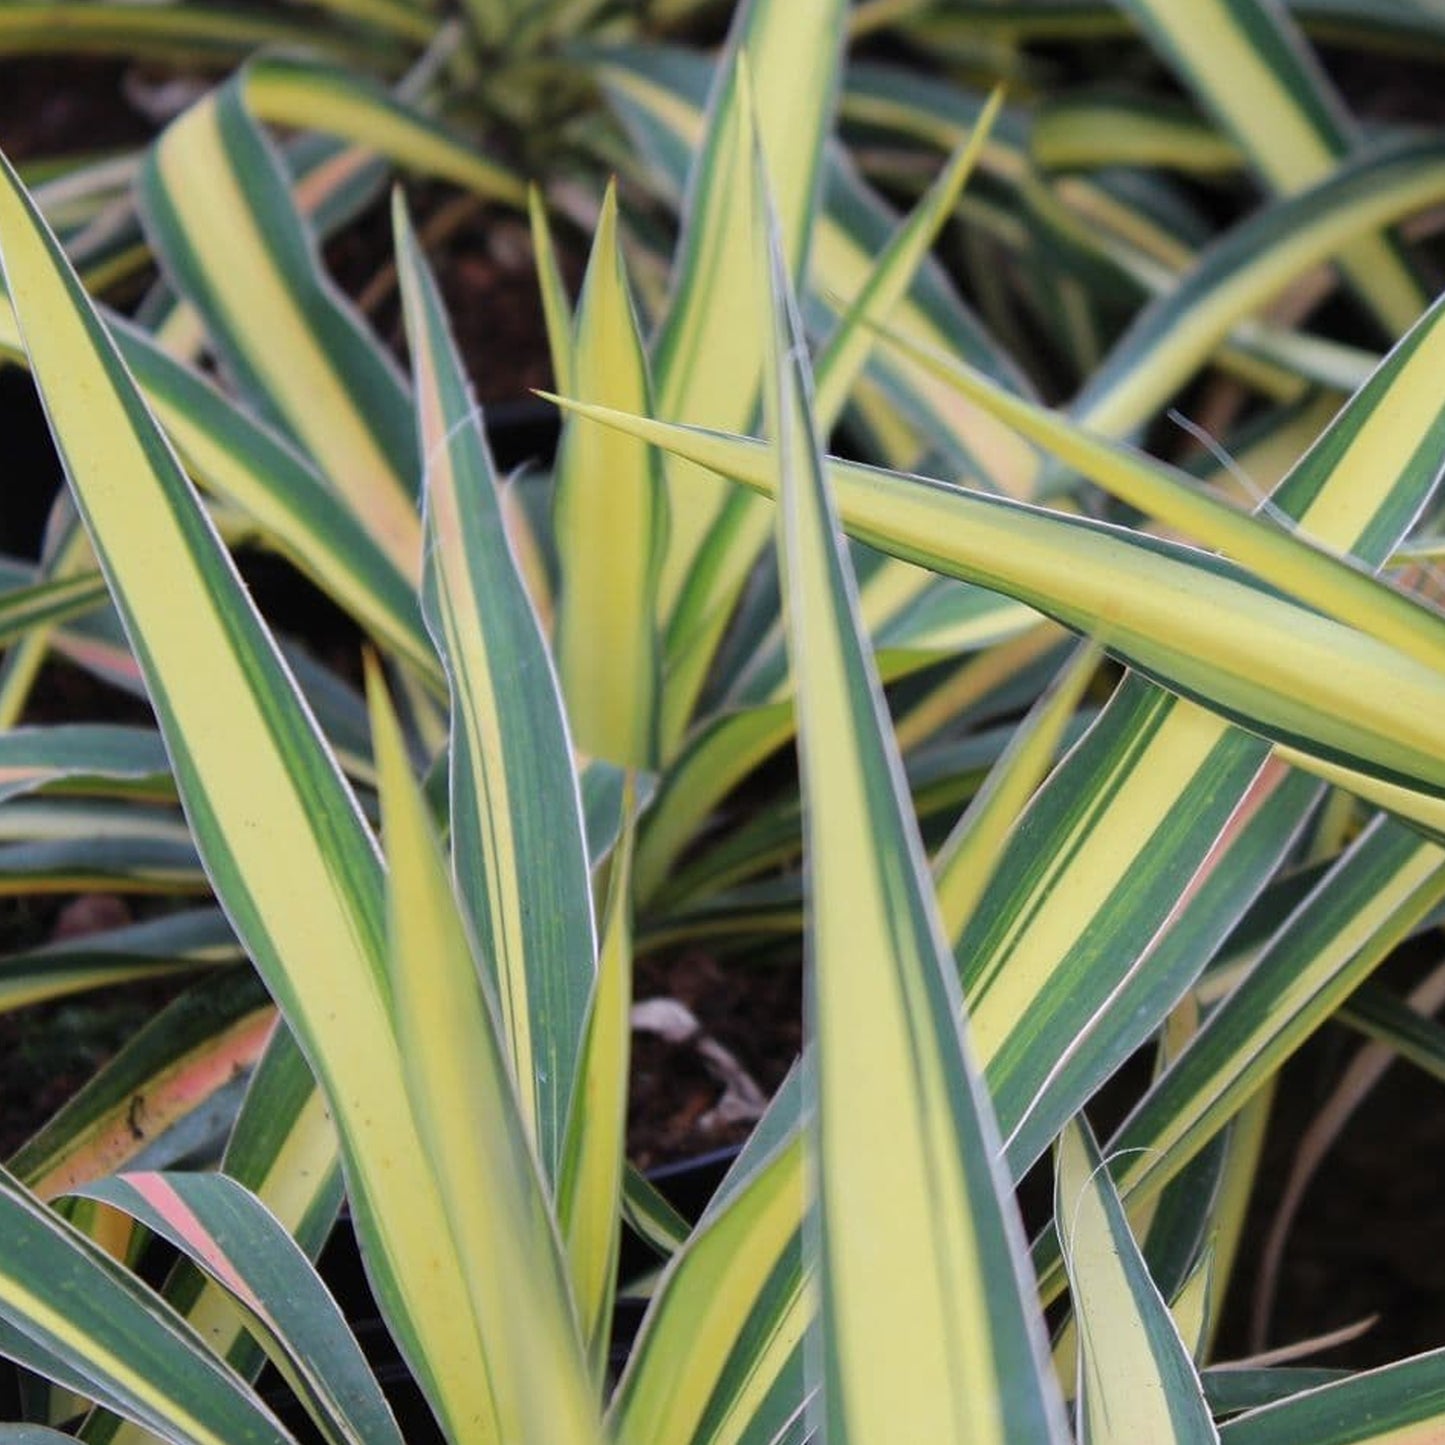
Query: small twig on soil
[742,1101]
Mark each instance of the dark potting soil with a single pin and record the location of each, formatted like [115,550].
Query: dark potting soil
[54,106]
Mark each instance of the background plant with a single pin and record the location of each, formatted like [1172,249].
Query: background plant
[1181,882]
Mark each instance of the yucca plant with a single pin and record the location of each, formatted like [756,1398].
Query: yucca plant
[485,97]
[1175,883]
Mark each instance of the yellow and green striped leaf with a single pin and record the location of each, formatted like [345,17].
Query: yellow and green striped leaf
[1202,770]
[225,226]
[842,358]
[718,1361]
[716,758]
[1371,899]
[659,95]
[285,90]
[594,1156]
[245,464]
[1194,623]
[1400,1404]
[611,527]
[1221,291]
[1218,292]
[1380,1015]
[248,466]
[408,18]
[51,602]
[497,1224]
[854,229]
[1423,810]
[282,1148]
[1191,1307]
[1080,244]
[1384,25]
[1251,67]
[175,33]
[65,553]
[1170,770]
[252,768]
[1136,1378]
[1401,414]
[73,845]
[928,1326]
[556,306]
[173,1067]
[1093,131]
[1082,249]
[648,1213]
[916,619]
[970,853]
[942,776]
[92,759]
[93,1328]
[929,627]
[1182,796]
[516,825]
[1200,825]
[706,358]
[178,942]
[1246,268]
[225,1230]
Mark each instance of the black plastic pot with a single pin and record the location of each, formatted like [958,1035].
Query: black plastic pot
[522,432]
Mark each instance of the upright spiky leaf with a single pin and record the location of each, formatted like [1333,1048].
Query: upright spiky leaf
[285,844]
[460,1088]
[516,820]
[1136,1379]
[611,525]
[929,1328]
[225,225]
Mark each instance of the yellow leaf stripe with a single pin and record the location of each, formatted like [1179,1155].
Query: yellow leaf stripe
[285,844]
[1189,621]
[206,218]
[516,826]
[928,1332]
[497,1222]
[610,527]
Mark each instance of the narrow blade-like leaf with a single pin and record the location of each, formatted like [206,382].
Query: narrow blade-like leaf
[589,1191]
[1251,67]
[1191,622]
[193,1049]
[1136,1379]
[929,1328]
[610,527]
[459,1084]
[727,1323]
[252,768]
[224,223]
[104,1334]
[224,1229]
[1401,1404]
[516,824]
